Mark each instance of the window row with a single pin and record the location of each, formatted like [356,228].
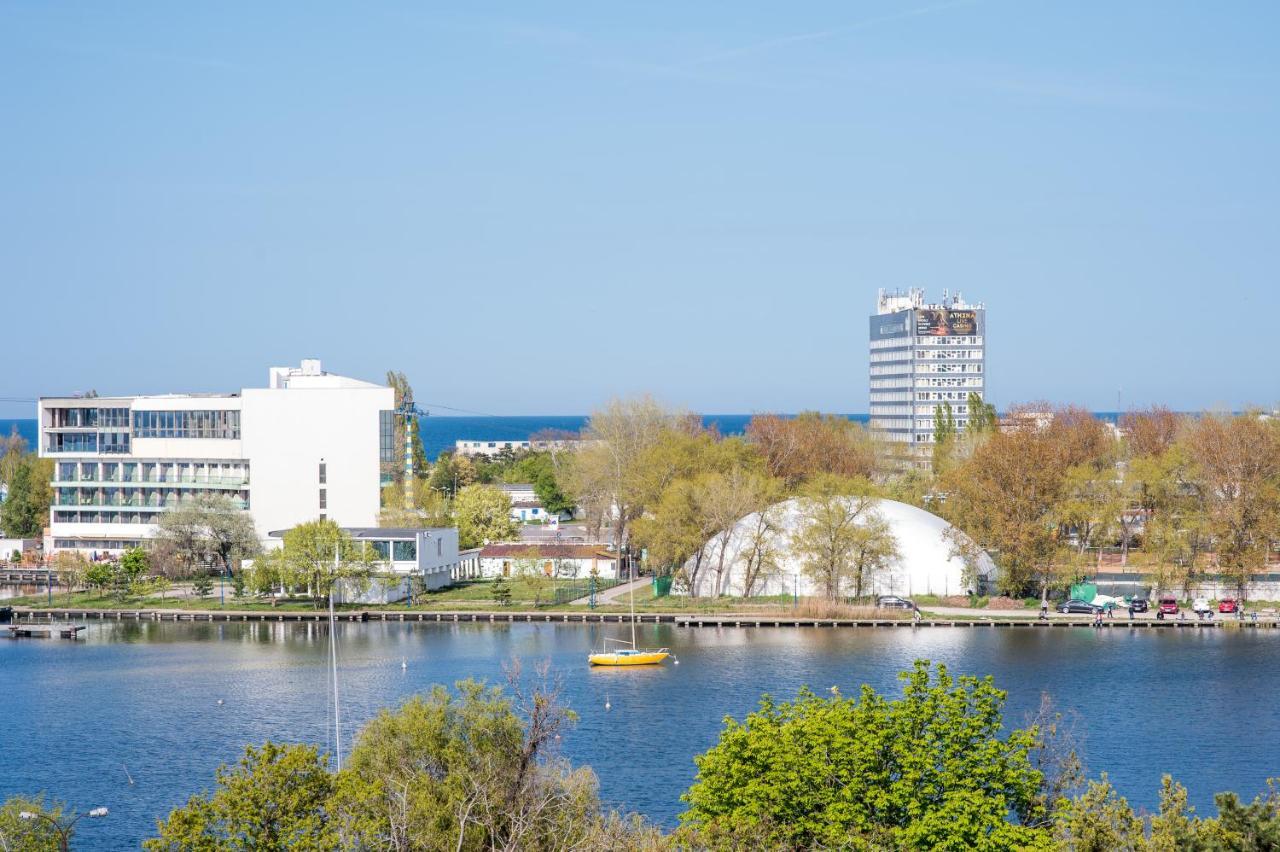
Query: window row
[218,423]
[92,544]
[942,396]
[949,340]
[394,551]
[115,443]
[89,418]
[967,382]
[62,516]
[211,473]
[143,498]
[949,354]
[949,368]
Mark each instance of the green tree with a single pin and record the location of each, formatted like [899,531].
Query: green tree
[1099,820]
[931,770]
[829,535]
[31,835]
[483,513]
[99,575]
[276,798]
[501,592]
[982,415]
[319,554]
[538,469]
[473,770]
[450,474]
[207,530]
[202,585]
[399,383]
[25,511]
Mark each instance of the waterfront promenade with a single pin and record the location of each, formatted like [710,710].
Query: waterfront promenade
[952,618]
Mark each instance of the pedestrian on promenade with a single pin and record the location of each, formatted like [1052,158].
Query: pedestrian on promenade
[1111,610]
[1131,611]
[1044,610]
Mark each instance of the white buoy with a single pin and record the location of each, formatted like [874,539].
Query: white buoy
[607,705]
[404,664]
[219,702]
[675,662]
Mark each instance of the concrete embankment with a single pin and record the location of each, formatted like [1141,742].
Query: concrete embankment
[678,619]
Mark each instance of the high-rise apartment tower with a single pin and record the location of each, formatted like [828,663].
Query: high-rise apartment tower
[924,356]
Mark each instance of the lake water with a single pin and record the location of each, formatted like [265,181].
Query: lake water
[73,716]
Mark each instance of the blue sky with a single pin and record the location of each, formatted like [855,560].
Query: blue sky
[530,207]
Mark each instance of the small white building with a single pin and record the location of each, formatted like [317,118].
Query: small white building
[526,508]
[564,561]
[485,447]
[9,546]
[408,560]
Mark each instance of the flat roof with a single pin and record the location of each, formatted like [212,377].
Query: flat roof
[366,533]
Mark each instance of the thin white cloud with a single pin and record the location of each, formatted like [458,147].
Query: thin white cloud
[821,35]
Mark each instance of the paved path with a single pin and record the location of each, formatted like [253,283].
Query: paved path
[1032,613]
[608,595]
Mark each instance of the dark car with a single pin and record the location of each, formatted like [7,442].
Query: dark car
[1139,605]
[1078,607]
[893,602]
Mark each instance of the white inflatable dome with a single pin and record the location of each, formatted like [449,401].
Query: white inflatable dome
[926,565]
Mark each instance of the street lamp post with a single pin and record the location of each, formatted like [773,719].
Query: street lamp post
[64,831]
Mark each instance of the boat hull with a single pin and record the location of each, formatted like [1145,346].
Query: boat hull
[633,658]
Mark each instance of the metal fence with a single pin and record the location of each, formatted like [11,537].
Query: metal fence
[581,587]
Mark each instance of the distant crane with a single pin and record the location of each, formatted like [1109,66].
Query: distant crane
[409,413]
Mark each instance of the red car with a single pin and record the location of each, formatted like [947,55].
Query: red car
[1228,605]
[1167,606]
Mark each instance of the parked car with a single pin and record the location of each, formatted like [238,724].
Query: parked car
[894,602]
[1228,605]
[1200,606]
[1139,605]
[1074,606]
[1167,606]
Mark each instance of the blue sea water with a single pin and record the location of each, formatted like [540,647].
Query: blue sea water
[440,432]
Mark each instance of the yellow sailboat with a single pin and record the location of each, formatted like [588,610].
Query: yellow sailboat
[630,656]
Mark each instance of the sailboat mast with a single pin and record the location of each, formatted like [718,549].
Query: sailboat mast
[631,595]
[333,658]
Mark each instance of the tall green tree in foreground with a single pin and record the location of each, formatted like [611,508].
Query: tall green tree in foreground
[276,798]
[31,835]
[931,770]
[474,769]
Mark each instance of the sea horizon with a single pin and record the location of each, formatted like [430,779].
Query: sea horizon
[440,431]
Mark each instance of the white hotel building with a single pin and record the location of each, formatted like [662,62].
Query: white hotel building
[309,445]
[924,356]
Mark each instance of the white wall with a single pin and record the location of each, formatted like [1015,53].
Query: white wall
[286,433]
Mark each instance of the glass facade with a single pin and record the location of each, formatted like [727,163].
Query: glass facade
[187,424]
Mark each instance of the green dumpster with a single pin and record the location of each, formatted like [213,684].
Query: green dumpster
[662,586]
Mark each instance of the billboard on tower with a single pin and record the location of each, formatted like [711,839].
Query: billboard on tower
[941,322]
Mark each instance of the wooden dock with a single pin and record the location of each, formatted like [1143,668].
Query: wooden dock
[42,630]
[676,619]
